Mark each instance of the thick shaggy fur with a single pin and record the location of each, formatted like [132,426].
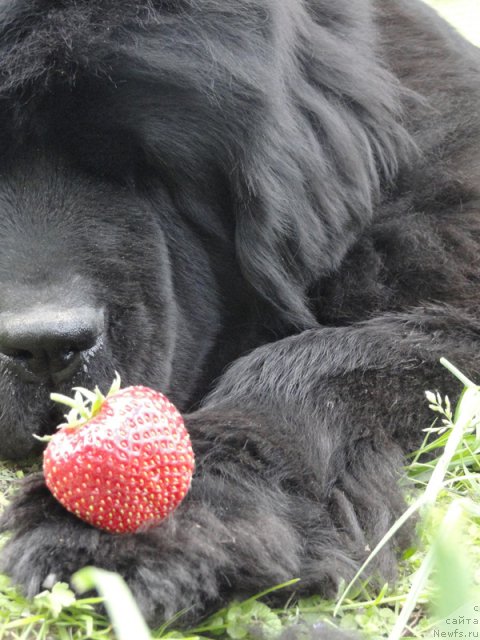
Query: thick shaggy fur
[274,207]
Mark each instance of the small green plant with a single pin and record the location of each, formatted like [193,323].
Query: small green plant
[57,614]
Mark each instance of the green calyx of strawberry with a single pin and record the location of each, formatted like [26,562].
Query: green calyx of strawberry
[84,405]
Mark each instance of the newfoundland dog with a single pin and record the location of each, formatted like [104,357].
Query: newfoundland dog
[270,211]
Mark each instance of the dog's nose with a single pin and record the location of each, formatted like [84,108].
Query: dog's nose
[46,343]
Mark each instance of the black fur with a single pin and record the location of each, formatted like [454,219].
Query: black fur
[276,207]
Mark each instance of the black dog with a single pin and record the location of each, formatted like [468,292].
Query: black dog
[269,210]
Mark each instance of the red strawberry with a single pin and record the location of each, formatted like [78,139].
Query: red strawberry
[121,463]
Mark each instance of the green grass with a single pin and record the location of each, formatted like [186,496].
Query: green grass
[438,575]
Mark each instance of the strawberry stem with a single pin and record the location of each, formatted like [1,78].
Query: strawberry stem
[42,438]
[85,404]
[66,400]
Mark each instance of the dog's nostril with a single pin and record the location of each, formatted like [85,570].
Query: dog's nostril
[47,343]
[18,354]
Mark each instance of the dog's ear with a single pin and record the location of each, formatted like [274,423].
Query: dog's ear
[322,133]
[300,118]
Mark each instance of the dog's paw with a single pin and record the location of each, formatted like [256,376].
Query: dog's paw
[47,543]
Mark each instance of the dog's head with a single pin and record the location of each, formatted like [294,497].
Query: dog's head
[161,161]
